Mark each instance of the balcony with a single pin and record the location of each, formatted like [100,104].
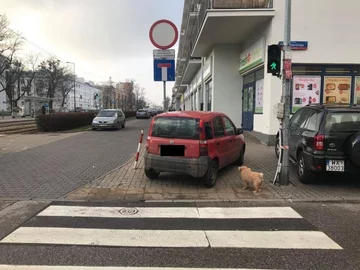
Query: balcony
[228,22]
[192,66]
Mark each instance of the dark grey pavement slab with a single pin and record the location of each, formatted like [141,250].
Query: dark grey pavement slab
[53,170]
[17,213]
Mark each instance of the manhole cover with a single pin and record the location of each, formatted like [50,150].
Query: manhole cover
[128,211]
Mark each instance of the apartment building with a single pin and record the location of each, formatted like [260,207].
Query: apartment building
[84,96]
[221,62]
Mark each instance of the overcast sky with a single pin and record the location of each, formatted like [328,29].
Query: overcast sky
[103,37]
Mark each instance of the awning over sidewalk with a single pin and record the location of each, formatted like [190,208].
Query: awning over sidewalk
[229,27]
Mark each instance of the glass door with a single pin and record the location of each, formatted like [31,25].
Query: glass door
[248,107]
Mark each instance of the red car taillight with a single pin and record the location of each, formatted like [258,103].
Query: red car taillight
[203,143]
[149,134]
[319,142]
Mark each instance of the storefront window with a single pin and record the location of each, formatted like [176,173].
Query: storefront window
[208,87]
[251,99]
[259,74]
[337,89]
[259,90]
[306,90]
[249,78]
[325,84]
[246,107]
[195,103]
[306,69]
[337,70]
[357,91]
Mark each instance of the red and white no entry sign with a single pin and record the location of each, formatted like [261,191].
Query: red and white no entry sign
[163,34]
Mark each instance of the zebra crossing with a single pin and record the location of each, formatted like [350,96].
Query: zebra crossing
[185,229]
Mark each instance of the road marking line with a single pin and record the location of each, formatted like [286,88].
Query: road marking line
[173,212]
[66,267]
[105,237]
[271,239]
[172,238]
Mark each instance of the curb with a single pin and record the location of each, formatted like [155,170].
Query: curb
[211,201]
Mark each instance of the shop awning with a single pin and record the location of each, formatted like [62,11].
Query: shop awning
[229,26]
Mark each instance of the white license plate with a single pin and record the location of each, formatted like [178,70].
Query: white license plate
[335,165]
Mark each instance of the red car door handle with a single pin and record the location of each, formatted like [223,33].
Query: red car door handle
[230,140]
[218,144]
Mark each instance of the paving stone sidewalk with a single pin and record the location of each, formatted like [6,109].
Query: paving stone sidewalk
[126,183]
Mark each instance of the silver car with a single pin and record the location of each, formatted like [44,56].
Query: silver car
[110,118]
[142,113]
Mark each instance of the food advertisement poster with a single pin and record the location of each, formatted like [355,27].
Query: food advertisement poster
[306,90]
[337,90]
[357,91]
[259,96]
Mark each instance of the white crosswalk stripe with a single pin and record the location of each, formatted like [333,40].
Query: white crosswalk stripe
[168,227]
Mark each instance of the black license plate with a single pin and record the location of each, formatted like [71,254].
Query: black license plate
[172,150]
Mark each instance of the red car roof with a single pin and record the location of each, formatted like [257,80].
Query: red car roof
[191,114]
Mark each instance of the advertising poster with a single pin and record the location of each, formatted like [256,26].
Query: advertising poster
[259,96]
[357,91]
[306,90]
[337,90]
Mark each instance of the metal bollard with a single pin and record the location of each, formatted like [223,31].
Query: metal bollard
[138,149]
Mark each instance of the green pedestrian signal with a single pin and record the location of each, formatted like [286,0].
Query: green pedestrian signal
[274,60]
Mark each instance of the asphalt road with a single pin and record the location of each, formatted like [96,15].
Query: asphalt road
[187,235]
[53,170]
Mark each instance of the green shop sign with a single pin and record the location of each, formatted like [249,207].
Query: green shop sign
[253,56]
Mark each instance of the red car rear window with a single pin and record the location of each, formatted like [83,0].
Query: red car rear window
[176,127]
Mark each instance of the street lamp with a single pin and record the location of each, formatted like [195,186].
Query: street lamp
[74,85]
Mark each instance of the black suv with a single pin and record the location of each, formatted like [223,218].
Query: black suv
[324,139]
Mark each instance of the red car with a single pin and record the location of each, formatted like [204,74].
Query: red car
[194,143]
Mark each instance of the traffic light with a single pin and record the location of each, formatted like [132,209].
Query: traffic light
[274,60]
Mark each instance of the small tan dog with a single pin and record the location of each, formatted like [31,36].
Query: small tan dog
[250,177]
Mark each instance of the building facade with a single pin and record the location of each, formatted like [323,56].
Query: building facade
[85,96]
[221,63]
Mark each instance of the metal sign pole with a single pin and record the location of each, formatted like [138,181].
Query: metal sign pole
[164,84]
[284,174]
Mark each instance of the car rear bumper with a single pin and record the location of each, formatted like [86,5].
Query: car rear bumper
[317,163]
[142,116]
[195,167]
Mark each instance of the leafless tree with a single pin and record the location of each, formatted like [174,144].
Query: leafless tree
[67,85]
[167,103]
[9,45]
[18,80]
[139,93]
[131,100]
[52,76]
[18,75]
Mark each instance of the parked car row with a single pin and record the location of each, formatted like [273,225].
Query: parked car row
[195,143]
[147,113]
[324,139]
